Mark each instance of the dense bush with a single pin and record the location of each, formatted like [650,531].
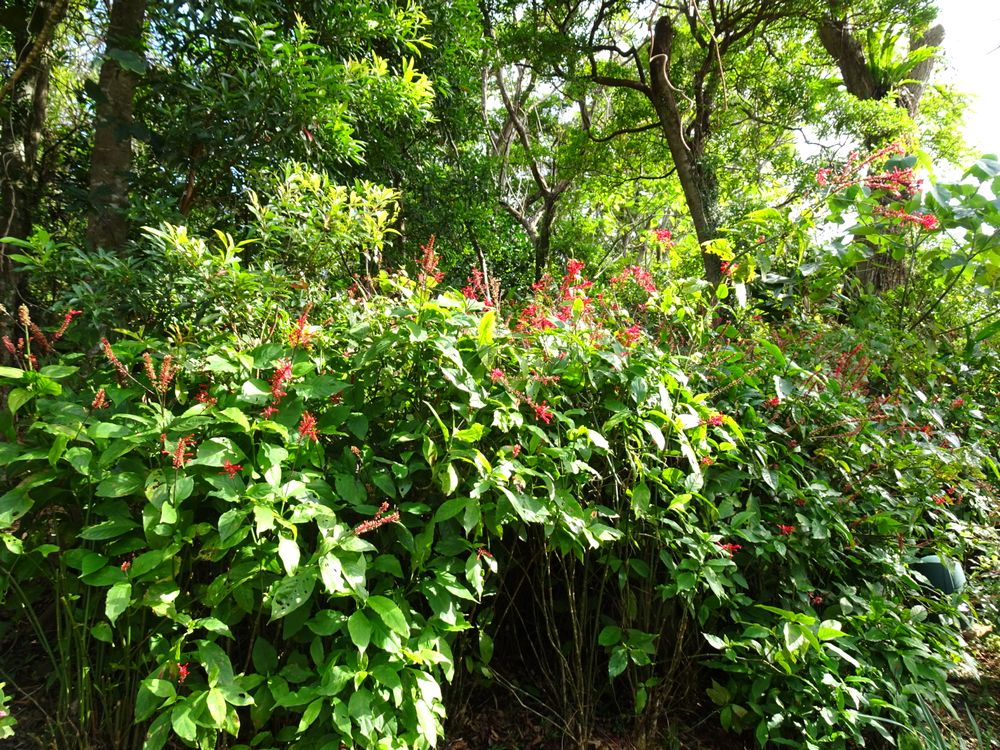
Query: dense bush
[297,534]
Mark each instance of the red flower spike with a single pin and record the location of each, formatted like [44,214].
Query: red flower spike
[100,400]
[307,427]
[231,469]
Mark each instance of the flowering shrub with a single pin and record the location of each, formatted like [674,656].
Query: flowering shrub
[300,538]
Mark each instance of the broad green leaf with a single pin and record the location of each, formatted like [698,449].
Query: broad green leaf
[290,593]
[470,434]
[216,702]
[360,629]
[118,598]
[288,551]
[17,398]
[390,614]
[183,722]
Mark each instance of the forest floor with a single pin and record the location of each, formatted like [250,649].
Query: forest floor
[496,720]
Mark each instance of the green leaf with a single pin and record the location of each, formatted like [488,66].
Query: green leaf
[829,629]
[617,662]
[610,635]
[487,326]
[128,60]
[237,417]
[118,598]
[109,529]
[451,508]
[159,731]
[310,714]
[121,484]
[58,449]
[58,371]
[230,522]
[11,373]
[715,642]
[390,614]
[360,629]
[290,593]
[448,479]
[183,723]
[160,688]
[17,398]
[470,434]
[216,703]
[288,551]
[102,632]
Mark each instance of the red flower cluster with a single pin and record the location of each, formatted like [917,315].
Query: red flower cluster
[772,402]
[476,289]
[428,263]
[302,335]
[641,276]
[67,319]
[182,672]
[827,177]
[161,381]
[282,374]
[706,461]
[497,374]
[726,268]
[231,469]
[927,222]
[663,236]
[629,336]
[110,355]
[730,548]
[182,452]
[203,396]
[716,420]
[533,318]
[785,529]
[378,520]
[543,412]
[100,400]
[307,427]
[898,182]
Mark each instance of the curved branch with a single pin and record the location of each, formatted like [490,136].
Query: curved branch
[622,131]
[43,38]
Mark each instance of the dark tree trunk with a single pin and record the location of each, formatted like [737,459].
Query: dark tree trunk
[107,224]
[22,119]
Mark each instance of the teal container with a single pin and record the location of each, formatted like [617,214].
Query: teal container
[945,575]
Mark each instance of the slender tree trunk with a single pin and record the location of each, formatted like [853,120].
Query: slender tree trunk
[22,119]
[698,182]
[107,224]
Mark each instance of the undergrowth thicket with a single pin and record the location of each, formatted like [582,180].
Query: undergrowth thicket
[327,522]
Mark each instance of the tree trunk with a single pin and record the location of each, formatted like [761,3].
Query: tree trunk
[107,224]
[881,272]
[22,118]
[687,150]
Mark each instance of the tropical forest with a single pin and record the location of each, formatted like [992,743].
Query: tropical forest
[498,375]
